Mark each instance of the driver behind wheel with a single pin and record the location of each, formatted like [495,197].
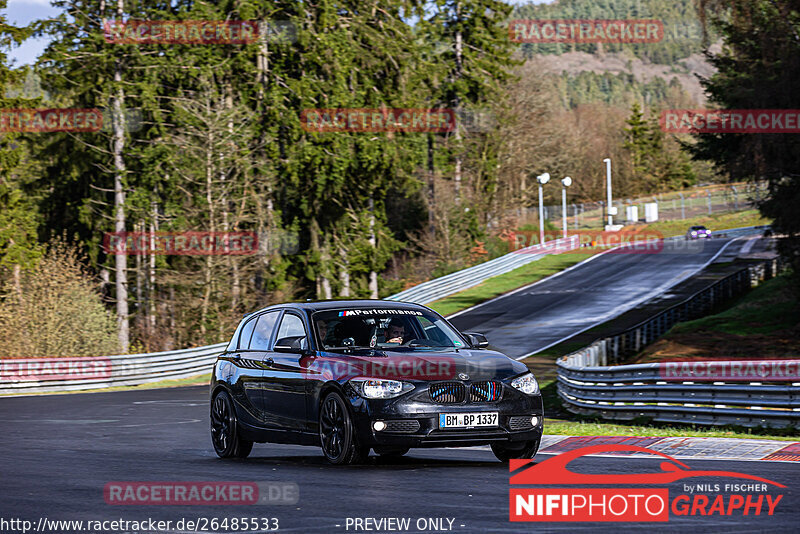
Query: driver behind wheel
[395,331]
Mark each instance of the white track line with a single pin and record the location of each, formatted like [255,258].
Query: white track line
[523,288]
[624,308]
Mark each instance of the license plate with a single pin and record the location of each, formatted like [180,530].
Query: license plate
[468,420]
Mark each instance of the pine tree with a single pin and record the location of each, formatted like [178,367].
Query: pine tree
[758,68]
[19,219]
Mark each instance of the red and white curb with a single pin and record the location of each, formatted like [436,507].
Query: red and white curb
[691,448]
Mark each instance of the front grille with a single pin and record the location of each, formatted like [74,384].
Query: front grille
[519,422]
[447,392]
[402,425]
[487,391]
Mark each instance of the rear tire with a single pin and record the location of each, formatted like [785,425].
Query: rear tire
[337,433]
[225,434]
[517,451]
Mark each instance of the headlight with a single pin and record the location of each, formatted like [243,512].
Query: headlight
[373,388]
[526,383]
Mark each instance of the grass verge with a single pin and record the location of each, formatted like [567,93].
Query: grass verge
[721,221]
[765,323]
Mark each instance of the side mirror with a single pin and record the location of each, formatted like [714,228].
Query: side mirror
[478,341]
[292,345]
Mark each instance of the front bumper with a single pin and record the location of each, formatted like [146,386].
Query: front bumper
[413,420]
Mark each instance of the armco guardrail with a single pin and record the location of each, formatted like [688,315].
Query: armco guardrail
[37,375]
[588,385]
[29,376]
[438,288]
[627,392]
[69,374]
[739,232]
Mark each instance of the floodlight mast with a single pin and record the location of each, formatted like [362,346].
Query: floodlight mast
[565,183]
[541,180]
[607,161]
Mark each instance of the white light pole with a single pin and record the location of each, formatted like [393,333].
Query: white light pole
[607,161]
[565,183]
[542,179]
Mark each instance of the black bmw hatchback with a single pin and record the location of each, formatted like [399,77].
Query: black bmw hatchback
[355,375]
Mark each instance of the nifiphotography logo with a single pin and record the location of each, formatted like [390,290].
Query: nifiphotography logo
[636,497]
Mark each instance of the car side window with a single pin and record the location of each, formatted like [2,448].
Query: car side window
[292,327]
[232,346]
[246,333]
[431,332]
[263,331]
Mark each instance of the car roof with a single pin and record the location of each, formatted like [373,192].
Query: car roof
[321,305]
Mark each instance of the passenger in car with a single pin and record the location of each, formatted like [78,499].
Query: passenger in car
[322,329]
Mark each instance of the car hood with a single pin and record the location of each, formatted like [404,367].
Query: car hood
[417,365]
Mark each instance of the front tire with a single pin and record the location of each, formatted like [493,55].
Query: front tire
[337,433]
[517,451]
[225,436]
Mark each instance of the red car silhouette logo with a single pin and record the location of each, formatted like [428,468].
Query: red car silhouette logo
[554,470]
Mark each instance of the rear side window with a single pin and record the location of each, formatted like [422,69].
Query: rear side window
[263,331]
[247,333]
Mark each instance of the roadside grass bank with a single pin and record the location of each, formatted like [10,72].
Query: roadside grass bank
[721,221]
[498,285]
[762,324]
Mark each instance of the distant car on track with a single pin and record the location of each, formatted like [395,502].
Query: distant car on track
[355,375]
[698,232]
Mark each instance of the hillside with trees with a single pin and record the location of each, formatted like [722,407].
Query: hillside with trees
[210,138]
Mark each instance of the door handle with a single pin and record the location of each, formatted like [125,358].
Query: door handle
[269,361]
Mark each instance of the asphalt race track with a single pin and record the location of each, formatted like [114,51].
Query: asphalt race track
[61,450]
[538,316]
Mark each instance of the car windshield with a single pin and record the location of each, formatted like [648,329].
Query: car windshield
[386,328]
